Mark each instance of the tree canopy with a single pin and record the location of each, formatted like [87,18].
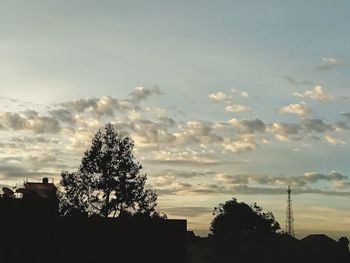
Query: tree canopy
[108,182]
[235,219]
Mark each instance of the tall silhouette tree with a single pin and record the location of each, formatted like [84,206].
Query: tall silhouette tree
[238,220]
[108,182]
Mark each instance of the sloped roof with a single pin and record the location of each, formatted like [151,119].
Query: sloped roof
[319,238]
[320,242]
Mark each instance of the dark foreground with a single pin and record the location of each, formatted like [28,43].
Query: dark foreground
[273,249]
[68,239]
[75,239]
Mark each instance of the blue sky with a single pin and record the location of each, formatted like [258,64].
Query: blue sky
[224,98]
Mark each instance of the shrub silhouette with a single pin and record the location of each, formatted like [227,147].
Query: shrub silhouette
[238,220]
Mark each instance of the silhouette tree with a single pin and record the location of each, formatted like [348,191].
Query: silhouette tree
[238,220]
[108,182]
[344,242]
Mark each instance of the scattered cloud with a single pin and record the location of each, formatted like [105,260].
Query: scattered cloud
[16,172]
[175,173]
[244,143]
[232,179]
[300,109]
[65,129]
[104,106]
[332,176]
[30,121]
[316,93]
[219,97]
[345,114]
[268,180]
[316,125]
[189,211]
[285,131]
[188,157]
[141,93]
[329,63]
[248,126]
[262,185]
[244,94]
[237,108]
[285,128]
[293,81]
[251,190]
[333,141]
[341,126]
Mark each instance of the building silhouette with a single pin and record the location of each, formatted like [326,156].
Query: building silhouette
[33,231]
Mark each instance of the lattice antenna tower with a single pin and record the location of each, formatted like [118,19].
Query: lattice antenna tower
[289,214]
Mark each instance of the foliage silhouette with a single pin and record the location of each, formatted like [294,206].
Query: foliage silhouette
[344,242]
[238,229]
[238,220]
[108,182]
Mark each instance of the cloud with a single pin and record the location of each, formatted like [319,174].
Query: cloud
[236,108]
[248,126]
[241,189]
[284,131]
[256,184]
[248,190]
[188,157]
[277,180]
[66,129]
[190,162]
[202,190]
[104,106]
[232,179]
[63,115]
[197,132]
[300,109]
[244,94]
[316,93]
[42,124]
[332,176]
[33,140]
[293,81]
[329,63]
[163,180]
[316,125]
[244,143]
[341,126]
[345,114]
[342,184]
[15,172]
[333,141]
[297,181]
[174,173]
[188,211]
[285,128]
[30,121]
[13,121]
[330,60]
[141,93]
[150,134]
[219,96]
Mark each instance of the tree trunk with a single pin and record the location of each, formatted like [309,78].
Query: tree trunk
[107,203]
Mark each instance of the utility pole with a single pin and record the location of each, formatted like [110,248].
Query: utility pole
[289,214]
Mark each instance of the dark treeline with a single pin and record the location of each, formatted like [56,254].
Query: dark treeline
[243,233]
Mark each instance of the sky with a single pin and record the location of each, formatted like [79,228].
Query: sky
[222,98]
